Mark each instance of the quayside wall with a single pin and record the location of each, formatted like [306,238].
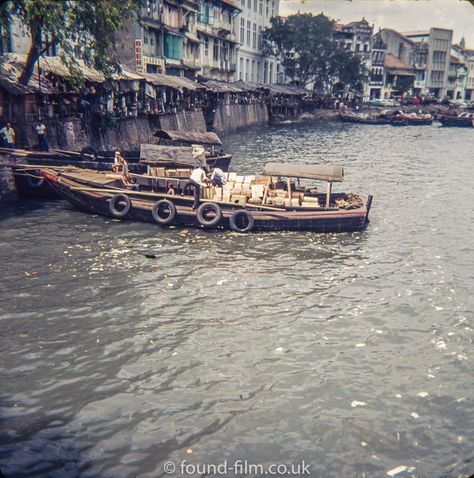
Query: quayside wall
[232,117]
[126,134]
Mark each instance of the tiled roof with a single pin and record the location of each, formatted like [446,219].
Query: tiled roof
[455,60]
[394,63]
[399,35]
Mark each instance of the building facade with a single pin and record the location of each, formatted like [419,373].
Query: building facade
[164,41]
[457,77]
[432,55]
[377,69]
[217,37]
[357,37]
[252,64]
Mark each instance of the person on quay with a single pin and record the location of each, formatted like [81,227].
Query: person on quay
[217,177]
[41,133]
[9,136]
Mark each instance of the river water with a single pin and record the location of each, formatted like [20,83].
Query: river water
[350,353]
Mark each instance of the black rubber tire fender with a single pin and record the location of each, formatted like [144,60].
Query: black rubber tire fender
[34,182]
[158,208]
[113,205]
[205,207]
[234,219]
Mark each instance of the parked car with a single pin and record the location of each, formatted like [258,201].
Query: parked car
[384,103]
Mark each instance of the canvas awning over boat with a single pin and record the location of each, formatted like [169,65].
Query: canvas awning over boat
[154,153]
[308,171]
[190,137]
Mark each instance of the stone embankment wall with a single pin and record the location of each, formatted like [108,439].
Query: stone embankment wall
[232,117]
[126,134]
[7,182]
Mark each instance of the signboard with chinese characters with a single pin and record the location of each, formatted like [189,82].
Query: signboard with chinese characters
[138,56]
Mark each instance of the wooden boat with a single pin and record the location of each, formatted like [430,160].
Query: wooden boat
[244,204]
[411,119]
[463,120]
[363,118]
[171,158]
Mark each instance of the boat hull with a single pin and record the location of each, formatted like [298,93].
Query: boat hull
[347,118]
[97,201]
[455,121]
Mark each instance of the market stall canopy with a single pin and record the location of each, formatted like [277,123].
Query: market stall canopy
[127,74]
[247,86]
[291,90]
[12,66]
[221,87]
[177,82]
[308,171]
[190,137]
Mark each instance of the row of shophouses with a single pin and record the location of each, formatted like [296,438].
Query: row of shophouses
[205,39]
[222,40]
[422,63]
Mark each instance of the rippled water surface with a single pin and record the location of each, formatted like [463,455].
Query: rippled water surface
[352,352]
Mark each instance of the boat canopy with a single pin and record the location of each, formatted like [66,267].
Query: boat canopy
[308,171]
[154,153]
[190,137]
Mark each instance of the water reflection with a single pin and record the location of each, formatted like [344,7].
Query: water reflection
[350,351]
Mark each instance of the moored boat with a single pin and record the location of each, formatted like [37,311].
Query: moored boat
[363,118]
[411,119]
[244,204]
[173,154]
[463,120]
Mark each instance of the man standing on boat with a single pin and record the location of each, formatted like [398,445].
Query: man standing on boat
[198,179]
[217,177]
[199,156]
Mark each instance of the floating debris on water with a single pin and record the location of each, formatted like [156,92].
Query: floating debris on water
[395,471]
[357,403]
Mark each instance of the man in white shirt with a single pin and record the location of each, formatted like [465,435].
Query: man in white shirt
[9,135]
[41,132]
[218,177]
[198,179]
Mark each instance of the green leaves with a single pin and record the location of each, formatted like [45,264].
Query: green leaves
[310,54]
[80,29]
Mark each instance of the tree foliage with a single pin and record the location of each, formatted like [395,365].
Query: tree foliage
[80,29]
[404,83]
[309,53]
